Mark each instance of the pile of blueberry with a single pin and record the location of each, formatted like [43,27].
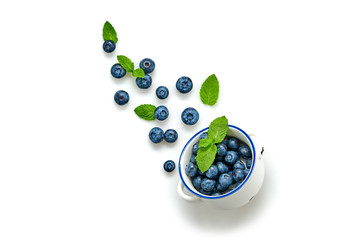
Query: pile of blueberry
[231,165]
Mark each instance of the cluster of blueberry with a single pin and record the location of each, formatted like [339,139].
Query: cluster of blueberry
[232,164]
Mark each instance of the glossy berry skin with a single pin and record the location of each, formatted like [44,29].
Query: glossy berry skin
[212,172]
[233,143]
[147,65]
[246,171]
[162,92]
[117,71]
[222,167]
[221,150]
[231,157]
[144,82]
[121,97]
[249,163]
[190,116]
[205,192]
[219,187]
[191,169]
[239,165]
[184,84]
[195,148]
[238,174]
[245,151]
[196,182]
[225,180]
[161,113]
[169,166]
[208,184]
[171,135]
[156,135]
[109,46]
[193,158]
[203,135]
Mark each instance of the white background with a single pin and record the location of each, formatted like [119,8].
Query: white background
[74,165]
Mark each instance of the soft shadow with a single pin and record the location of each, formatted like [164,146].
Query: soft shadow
[213,219]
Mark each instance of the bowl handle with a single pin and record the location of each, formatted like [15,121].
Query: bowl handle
[259,147]
[186,197]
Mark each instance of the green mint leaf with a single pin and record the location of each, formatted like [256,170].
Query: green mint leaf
[218,129]
[210,90]
[126,63]
[205,142]
[145,111]
[139,73]
[109,32]
[205,157]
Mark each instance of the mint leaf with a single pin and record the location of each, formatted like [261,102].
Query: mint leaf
[210,90]
[218,129]
[205,142]
[109,32]
[126,63]
[205,157]
[138,73]
[145,111]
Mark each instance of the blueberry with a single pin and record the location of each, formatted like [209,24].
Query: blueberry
[144,82]
[169,166]
[190,116]
[233,143]
[238,174]
[222,167]
[208,184]
[161,113]
[184,84]
[191,169]
[196,182]
[200,173]
[219,187]
[225,180]
[162,92]
[245,151]
[195,148]
[121,97]
[246,171]
[205,192]
[249,163]
[147,65]
[231,157]
[203,135]
[238,165]
[171,135]
[117,71]
[218,158]
[212,171]
[230,173]
[221,150]
[109,46]
[225,141]
[156,135]
[193,158]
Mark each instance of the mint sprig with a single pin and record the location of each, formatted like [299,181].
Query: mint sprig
[128,65]
[109,32]
[217,131]
[209,92]
[138,73]
[145,111]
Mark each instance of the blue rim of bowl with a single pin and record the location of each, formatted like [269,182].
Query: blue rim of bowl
[235,189]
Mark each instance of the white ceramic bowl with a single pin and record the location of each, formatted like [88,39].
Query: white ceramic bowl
[238,196]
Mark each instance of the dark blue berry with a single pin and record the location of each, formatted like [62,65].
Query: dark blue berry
[238,174]
[171,135]
[233,143]
[190,116]
[121,97]
[169,166]
[205,192]
[193,158]
[225,180]
[249,163]
[184,84]
[208,184]
[117,71]
[203,135]
[144,82]
[109,46]
[221,150]
[222,167]
[156,135]
[191,169]
[246,171]
[195,148]
[161,113]
[196,182]
[147,65]
[162,92]
[231,157]
[212,172]
[245,151]
[239,165]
